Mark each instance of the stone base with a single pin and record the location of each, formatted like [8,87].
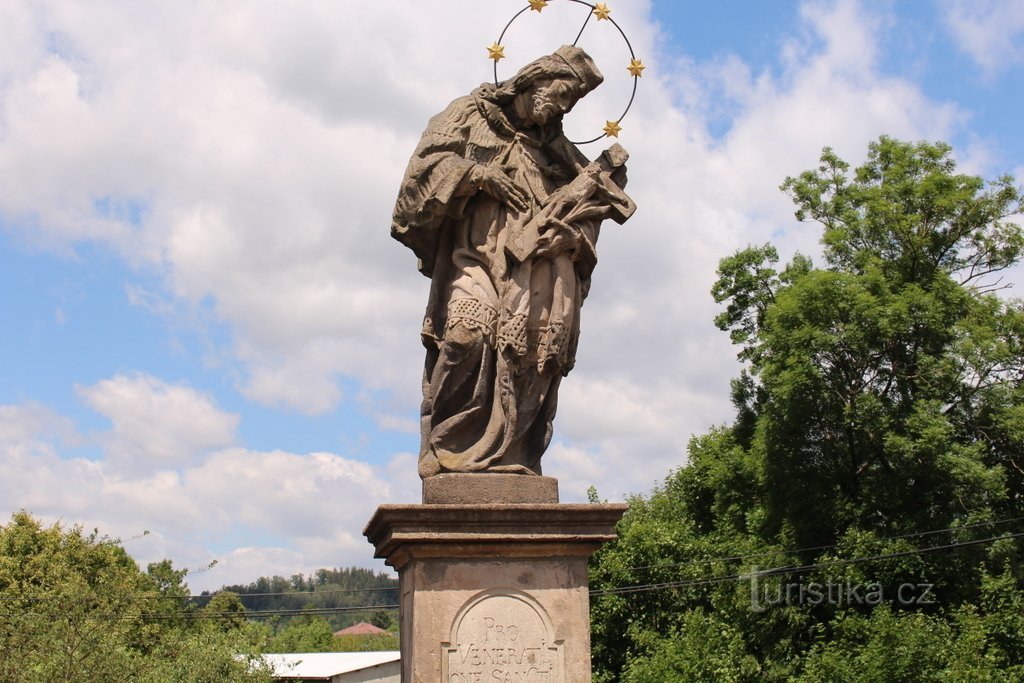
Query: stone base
[493,592]
[473,489]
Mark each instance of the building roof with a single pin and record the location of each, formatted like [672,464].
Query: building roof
[324,665]
[360,629]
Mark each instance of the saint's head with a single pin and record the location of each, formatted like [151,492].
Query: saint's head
[549,87]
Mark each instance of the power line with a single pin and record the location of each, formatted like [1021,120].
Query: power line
[688,563]
[794,551]
[312,592]
[775,571]
[209,596]
[620,590]
[266,614]
[177,614]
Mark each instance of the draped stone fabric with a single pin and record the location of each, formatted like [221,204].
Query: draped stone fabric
[503,316]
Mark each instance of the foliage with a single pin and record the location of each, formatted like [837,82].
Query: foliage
[303,634]
[346,590]
[225,611]
[369,642]
[76,607]
[879,415]
[315,634]
[703,649]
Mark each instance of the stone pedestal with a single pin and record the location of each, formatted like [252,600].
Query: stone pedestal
[493,591]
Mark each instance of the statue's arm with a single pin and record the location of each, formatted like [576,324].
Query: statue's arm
[435,182]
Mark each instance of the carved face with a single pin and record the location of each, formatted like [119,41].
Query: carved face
[547,99]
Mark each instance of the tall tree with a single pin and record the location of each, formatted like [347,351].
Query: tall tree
[882,400]
[76,607]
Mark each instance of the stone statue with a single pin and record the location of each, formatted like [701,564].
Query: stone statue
[503,213]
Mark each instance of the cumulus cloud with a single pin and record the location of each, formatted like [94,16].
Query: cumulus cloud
[34,428]
[991,32]
[272,510]
[156,424]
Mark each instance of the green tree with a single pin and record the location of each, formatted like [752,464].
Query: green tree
[303,634]
[385,620]
[882,399]
[346,590]
[225,610]
[76,607]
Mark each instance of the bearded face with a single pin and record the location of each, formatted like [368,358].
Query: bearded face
[548,99]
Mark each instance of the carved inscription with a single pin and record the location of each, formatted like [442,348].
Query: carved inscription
[502,638]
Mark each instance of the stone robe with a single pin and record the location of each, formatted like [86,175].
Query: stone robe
[500,328]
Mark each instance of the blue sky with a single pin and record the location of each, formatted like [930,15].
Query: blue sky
[208,333]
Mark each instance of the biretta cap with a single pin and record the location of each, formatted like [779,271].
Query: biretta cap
[582,65]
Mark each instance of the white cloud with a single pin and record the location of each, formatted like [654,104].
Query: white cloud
[298,511]
[156,424]
[849,35]
[235,567]
[34,428]
[991,32]
[283,493]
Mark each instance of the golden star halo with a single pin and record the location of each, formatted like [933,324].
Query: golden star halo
[600,10]
[636,67]
[496,52]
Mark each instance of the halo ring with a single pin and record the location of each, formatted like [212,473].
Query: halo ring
[592,7]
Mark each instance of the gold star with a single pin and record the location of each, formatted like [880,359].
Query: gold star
[602,11]
[496,52]
[538,5]
[612,129]
[636,67]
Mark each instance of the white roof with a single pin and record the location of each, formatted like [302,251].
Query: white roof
[326,664]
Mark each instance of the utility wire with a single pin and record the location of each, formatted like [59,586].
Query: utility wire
[775,571]
[639,588]
[174,615]
[794,551]
[209,596]
[688,563]
[333,591]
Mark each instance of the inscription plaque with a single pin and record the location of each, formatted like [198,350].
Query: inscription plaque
[502,635]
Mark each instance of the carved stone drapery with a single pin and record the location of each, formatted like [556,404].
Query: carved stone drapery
[504,213]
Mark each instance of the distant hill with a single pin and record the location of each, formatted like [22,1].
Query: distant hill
[335,594]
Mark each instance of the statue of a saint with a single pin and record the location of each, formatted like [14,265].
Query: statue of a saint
[504,213]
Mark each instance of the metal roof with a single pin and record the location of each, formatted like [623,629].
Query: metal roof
[324,665]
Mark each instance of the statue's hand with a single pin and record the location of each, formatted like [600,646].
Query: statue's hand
[557,237]
[499,186]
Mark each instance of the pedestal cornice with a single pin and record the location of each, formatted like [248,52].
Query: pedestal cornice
[402,532]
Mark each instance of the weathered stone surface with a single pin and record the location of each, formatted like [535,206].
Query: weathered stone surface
[493,592]
[461,489]
[403,532]
[502,634]
[504,214]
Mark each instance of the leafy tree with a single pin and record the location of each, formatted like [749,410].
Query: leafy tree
[366,642]
[225,610]
[304,634]
[310,633]
[881,401]
[346,590]
[76,607]
[385,620]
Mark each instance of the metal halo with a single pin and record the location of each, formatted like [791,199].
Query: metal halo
[592,7]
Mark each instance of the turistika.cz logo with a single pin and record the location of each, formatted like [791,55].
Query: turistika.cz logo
[764,594]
